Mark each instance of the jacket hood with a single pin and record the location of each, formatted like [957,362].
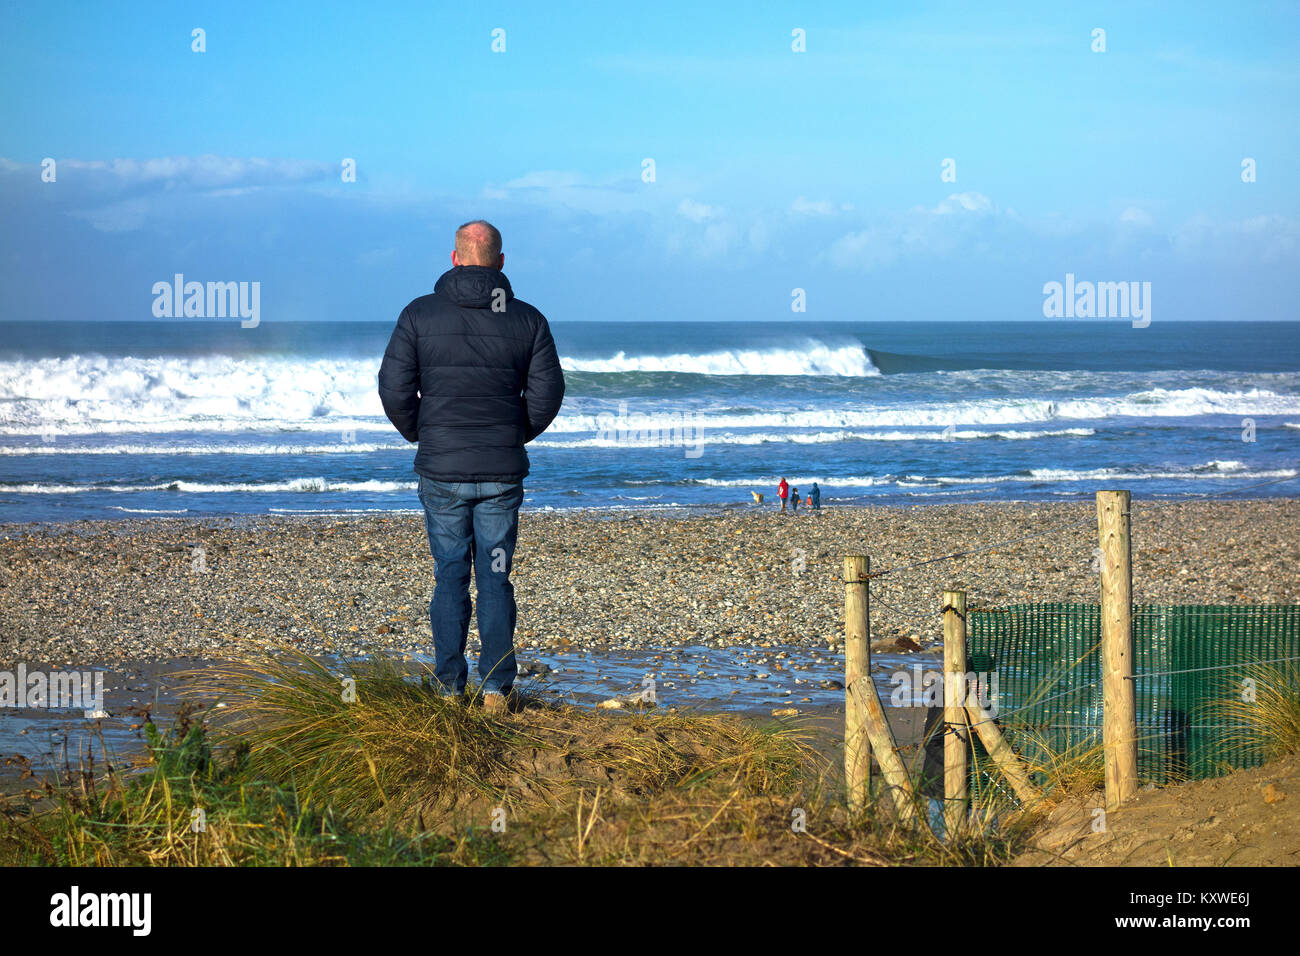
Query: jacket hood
[472,286]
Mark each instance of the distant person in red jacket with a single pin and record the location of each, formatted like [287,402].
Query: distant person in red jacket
[784,491]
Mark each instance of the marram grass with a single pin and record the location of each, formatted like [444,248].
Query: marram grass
[308,763]
[1263,704]
[373,739]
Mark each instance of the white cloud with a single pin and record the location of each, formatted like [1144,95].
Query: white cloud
[865,249]
[715,239]
[1267,238]
[961,220]
[551,188]
[547,179]
[1135,217]
[125,216]
[205,172]
[697,211]
[965,202]
[810,207]
[121,195]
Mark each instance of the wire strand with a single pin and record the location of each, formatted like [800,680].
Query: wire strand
[1216,667]
[970,551]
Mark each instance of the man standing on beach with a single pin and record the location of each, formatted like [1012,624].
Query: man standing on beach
[783,490]
[472,374]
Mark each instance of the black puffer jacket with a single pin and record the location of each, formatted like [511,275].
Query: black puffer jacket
[472,385]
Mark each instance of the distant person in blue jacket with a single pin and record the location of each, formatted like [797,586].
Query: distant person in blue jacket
[815,496]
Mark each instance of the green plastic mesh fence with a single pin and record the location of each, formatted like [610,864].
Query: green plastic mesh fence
[1046,660]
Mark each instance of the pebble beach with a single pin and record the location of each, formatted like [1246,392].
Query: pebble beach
[86,593]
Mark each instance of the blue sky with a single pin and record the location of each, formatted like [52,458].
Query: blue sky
[774,170]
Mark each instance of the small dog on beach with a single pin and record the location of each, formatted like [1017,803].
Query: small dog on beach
[758,499]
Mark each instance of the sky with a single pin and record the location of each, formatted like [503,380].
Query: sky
[933,162]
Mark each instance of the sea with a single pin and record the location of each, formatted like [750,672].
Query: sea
[103,420]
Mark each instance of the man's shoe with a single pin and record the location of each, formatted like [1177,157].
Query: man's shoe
[495,704]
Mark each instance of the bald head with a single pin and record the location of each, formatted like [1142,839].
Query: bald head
[478,243]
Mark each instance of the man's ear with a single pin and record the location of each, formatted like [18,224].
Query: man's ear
[454,261]
[501,261]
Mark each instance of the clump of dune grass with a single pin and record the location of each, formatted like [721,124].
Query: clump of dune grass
[1075,769]
[372,738]
[1264,710]
[186,807]
[362,737]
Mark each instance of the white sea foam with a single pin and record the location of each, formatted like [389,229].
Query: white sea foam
[814,438]
[1033,475]
[295,485]
[815,358]
[345,511]
[1208,470]
[707,438]
[92,394]
[69,448]
[149,511]
[1155,403]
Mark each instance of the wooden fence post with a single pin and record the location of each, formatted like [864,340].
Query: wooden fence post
[1119,720]
[892,767]
[1000,752]
[956,777]
[857,665]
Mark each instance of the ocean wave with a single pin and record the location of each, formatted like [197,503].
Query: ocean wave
[345,511]
[815,358]
[149,511]
[52,431]
[1152,403]
[1208,470]
[295,485]
[95,393]
[86,395]
[705,437]
[341,448]
[364,448]
[1031,475]
[79,393]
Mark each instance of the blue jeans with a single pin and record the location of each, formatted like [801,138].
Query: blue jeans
[472,524]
